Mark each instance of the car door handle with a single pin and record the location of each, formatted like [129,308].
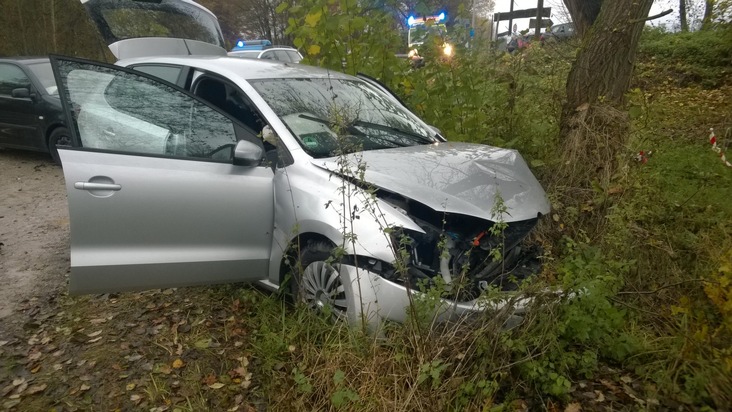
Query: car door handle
[109,132]
[97,186]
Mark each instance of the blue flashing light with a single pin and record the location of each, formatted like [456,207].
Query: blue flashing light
[240,44]
[410,21]
[441,16]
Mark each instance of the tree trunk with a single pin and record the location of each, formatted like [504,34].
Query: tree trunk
[682,15]
[708,11]
[594,125]
[605,61]
[584,13]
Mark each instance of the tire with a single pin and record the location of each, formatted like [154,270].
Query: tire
[59,137]
[317,283]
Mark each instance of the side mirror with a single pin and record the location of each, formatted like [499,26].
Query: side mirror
[21,93]
[247,153]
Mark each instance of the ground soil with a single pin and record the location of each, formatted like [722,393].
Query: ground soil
[34,234]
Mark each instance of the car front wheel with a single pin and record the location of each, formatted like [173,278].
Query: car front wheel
[319,284]
[59,137]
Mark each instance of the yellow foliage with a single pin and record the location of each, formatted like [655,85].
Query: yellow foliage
[719,291]
[313,49]
[313,19]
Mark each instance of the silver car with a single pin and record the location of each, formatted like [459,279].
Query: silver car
[283,54]
[209,169]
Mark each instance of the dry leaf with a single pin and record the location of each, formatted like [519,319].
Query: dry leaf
[130,386]
[178,363]
[84,387]
[217,385]
[36,388]
[94,334]
[573,407]
[136,398]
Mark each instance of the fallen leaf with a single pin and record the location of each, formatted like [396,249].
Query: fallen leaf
[600,397]
[84,387]
[34,356]
[130,386]
[209,380]
[573,407]
[217,385]
[36,388]
[95,340]
[164,369]
[202,343]
[18,381]
[136,398]
[178,363]
[4,342]
[94,334]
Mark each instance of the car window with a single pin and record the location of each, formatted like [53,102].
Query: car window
[167,73]
[44,74]
[12,77]
[134,19]
[269,55]
[282,55]
[294,56]
[125,112]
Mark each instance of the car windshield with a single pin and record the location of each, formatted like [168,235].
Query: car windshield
[44,73]
[319,111]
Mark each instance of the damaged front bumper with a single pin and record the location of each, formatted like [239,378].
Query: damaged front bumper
[373,299]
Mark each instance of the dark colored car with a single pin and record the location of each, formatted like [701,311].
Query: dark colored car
[31,116]
[559,32]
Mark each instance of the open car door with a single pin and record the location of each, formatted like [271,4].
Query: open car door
[155,197]
[141,28]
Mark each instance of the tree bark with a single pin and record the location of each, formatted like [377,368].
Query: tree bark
[584,13]
[606,59]
[595,126]
[682,15]
[708,12]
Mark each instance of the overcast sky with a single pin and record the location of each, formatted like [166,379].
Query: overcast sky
[558,17]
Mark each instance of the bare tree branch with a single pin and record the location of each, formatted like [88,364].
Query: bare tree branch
[659,15]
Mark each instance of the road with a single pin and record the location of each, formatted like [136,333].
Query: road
[34,234]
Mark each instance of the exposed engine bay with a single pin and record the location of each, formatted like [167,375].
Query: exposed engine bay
[461,250]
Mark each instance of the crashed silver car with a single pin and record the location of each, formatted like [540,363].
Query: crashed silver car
[208,169]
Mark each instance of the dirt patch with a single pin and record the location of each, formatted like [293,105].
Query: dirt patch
[34,233]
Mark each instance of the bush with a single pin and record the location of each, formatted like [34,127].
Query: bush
[701,57]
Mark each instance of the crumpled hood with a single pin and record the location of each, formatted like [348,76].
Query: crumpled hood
[460,178]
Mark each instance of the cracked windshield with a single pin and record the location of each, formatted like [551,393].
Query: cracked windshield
[317,111]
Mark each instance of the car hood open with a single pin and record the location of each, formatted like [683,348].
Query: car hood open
[460,178]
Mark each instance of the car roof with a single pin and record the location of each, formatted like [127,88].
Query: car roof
[247,69]
[25,59]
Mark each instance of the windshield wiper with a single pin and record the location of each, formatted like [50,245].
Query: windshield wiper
[415,136]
